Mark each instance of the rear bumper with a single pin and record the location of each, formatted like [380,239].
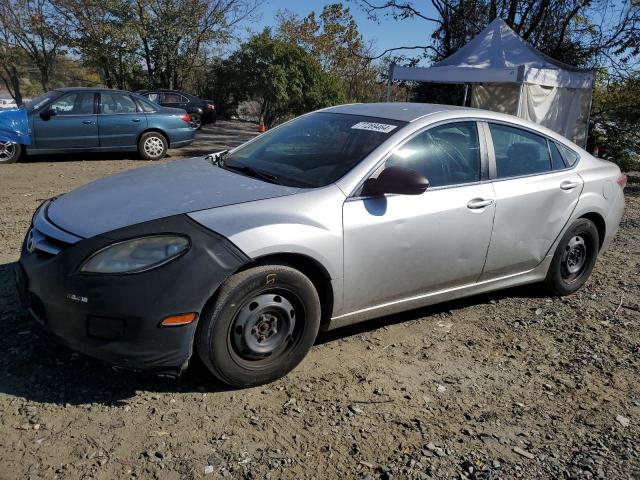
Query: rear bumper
[613,219]
[116,318]
[181,137]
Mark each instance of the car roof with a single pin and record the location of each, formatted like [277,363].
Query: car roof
[403,111]
[89,89]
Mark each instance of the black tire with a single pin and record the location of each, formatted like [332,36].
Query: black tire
[10,152]
[574,258]
[152,146]
[195,120]
[228,336]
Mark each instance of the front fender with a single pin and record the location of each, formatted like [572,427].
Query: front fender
[14,126]
[307,223]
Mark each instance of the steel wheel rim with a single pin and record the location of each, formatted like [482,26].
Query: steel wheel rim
[153,146]
[574,258]
[265,327]
[7,151]
[195,121]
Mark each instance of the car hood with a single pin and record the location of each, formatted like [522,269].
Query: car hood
[154,192]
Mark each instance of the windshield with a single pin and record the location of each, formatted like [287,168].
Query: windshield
[314,150]
[40,100]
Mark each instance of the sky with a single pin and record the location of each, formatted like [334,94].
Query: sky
[388,33]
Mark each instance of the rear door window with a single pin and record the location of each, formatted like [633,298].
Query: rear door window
[519,152]
[115,103]
[170,97]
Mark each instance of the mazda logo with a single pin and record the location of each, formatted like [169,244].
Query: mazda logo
[31,245]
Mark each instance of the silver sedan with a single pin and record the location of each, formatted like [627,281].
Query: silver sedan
[336,217]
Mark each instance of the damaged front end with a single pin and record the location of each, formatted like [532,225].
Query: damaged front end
[14,127]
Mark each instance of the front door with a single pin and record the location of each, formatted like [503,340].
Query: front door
[71,123]
[119,121]
[535,196]
[398,246]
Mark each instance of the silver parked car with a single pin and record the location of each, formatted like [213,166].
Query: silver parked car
[333,218]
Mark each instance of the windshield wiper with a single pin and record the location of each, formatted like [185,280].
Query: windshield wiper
[250,172]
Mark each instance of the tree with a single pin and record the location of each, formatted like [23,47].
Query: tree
[12,68]
[615,118]
[31,26]
[334,40]
[174,34]
[100,32]
[284,78]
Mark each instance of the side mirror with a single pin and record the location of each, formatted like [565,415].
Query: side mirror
[48,113]
[399,180]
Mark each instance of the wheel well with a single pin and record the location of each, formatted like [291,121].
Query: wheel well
[600,224]
[311,268]
[157,130]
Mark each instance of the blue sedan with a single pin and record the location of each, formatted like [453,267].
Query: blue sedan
[100,120]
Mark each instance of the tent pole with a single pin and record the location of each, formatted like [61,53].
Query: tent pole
[466,90]
[518,109]
[586,128]
[390,80]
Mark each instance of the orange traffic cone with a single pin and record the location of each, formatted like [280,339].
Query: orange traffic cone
[261,127]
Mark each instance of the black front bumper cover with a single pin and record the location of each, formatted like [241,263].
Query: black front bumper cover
[116,318]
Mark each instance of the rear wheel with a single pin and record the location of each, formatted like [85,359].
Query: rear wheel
[262,325]
[195,121]
[152,146]
[10,152]
[574,258]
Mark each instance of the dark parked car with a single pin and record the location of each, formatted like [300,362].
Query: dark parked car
[102,120]
[200,111]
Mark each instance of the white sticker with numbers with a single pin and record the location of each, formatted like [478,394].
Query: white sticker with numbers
[374,127]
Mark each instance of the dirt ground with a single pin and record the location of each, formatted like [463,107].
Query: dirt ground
[506,385]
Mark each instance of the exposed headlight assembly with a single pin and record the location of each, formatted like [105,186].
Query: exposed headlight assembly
[136,255]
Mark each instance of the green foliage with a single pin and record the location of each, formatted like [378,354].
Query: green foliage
[334,40]
[615,122]
[281,76]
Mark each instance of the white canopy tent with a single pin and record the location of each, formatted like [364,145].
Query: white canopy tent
[508,75]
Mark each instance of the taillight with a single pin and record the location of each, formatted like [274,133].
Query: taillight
[185,117]
[210,106]
[622,180]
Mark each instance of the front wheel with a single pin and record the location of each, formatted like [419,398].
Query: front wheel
[574,258]
[152,146]
[9,152]
[261,326]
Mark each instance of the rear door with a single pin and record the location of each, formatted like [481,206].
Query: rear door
[173,100]
[536,194]
[73,125]
[120,121]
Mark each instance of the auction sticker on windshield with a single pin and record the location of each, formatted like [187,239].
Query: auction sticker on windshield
[374,127]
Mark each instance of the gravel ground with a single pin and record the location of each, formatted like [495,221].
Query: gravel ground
[506,385]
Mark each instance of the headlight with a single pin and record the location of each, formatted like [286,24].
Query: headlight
[137,255]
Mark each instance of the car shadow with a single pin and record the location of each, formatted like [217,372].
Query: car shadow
[89,157]
[33,366]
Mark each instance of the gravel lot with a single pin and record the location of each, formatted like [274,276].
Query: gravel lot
[506,385]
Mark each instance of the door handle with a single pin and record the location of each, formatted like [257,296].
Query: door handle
[136,120]
[567,185]
[477,203]
[87,122]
